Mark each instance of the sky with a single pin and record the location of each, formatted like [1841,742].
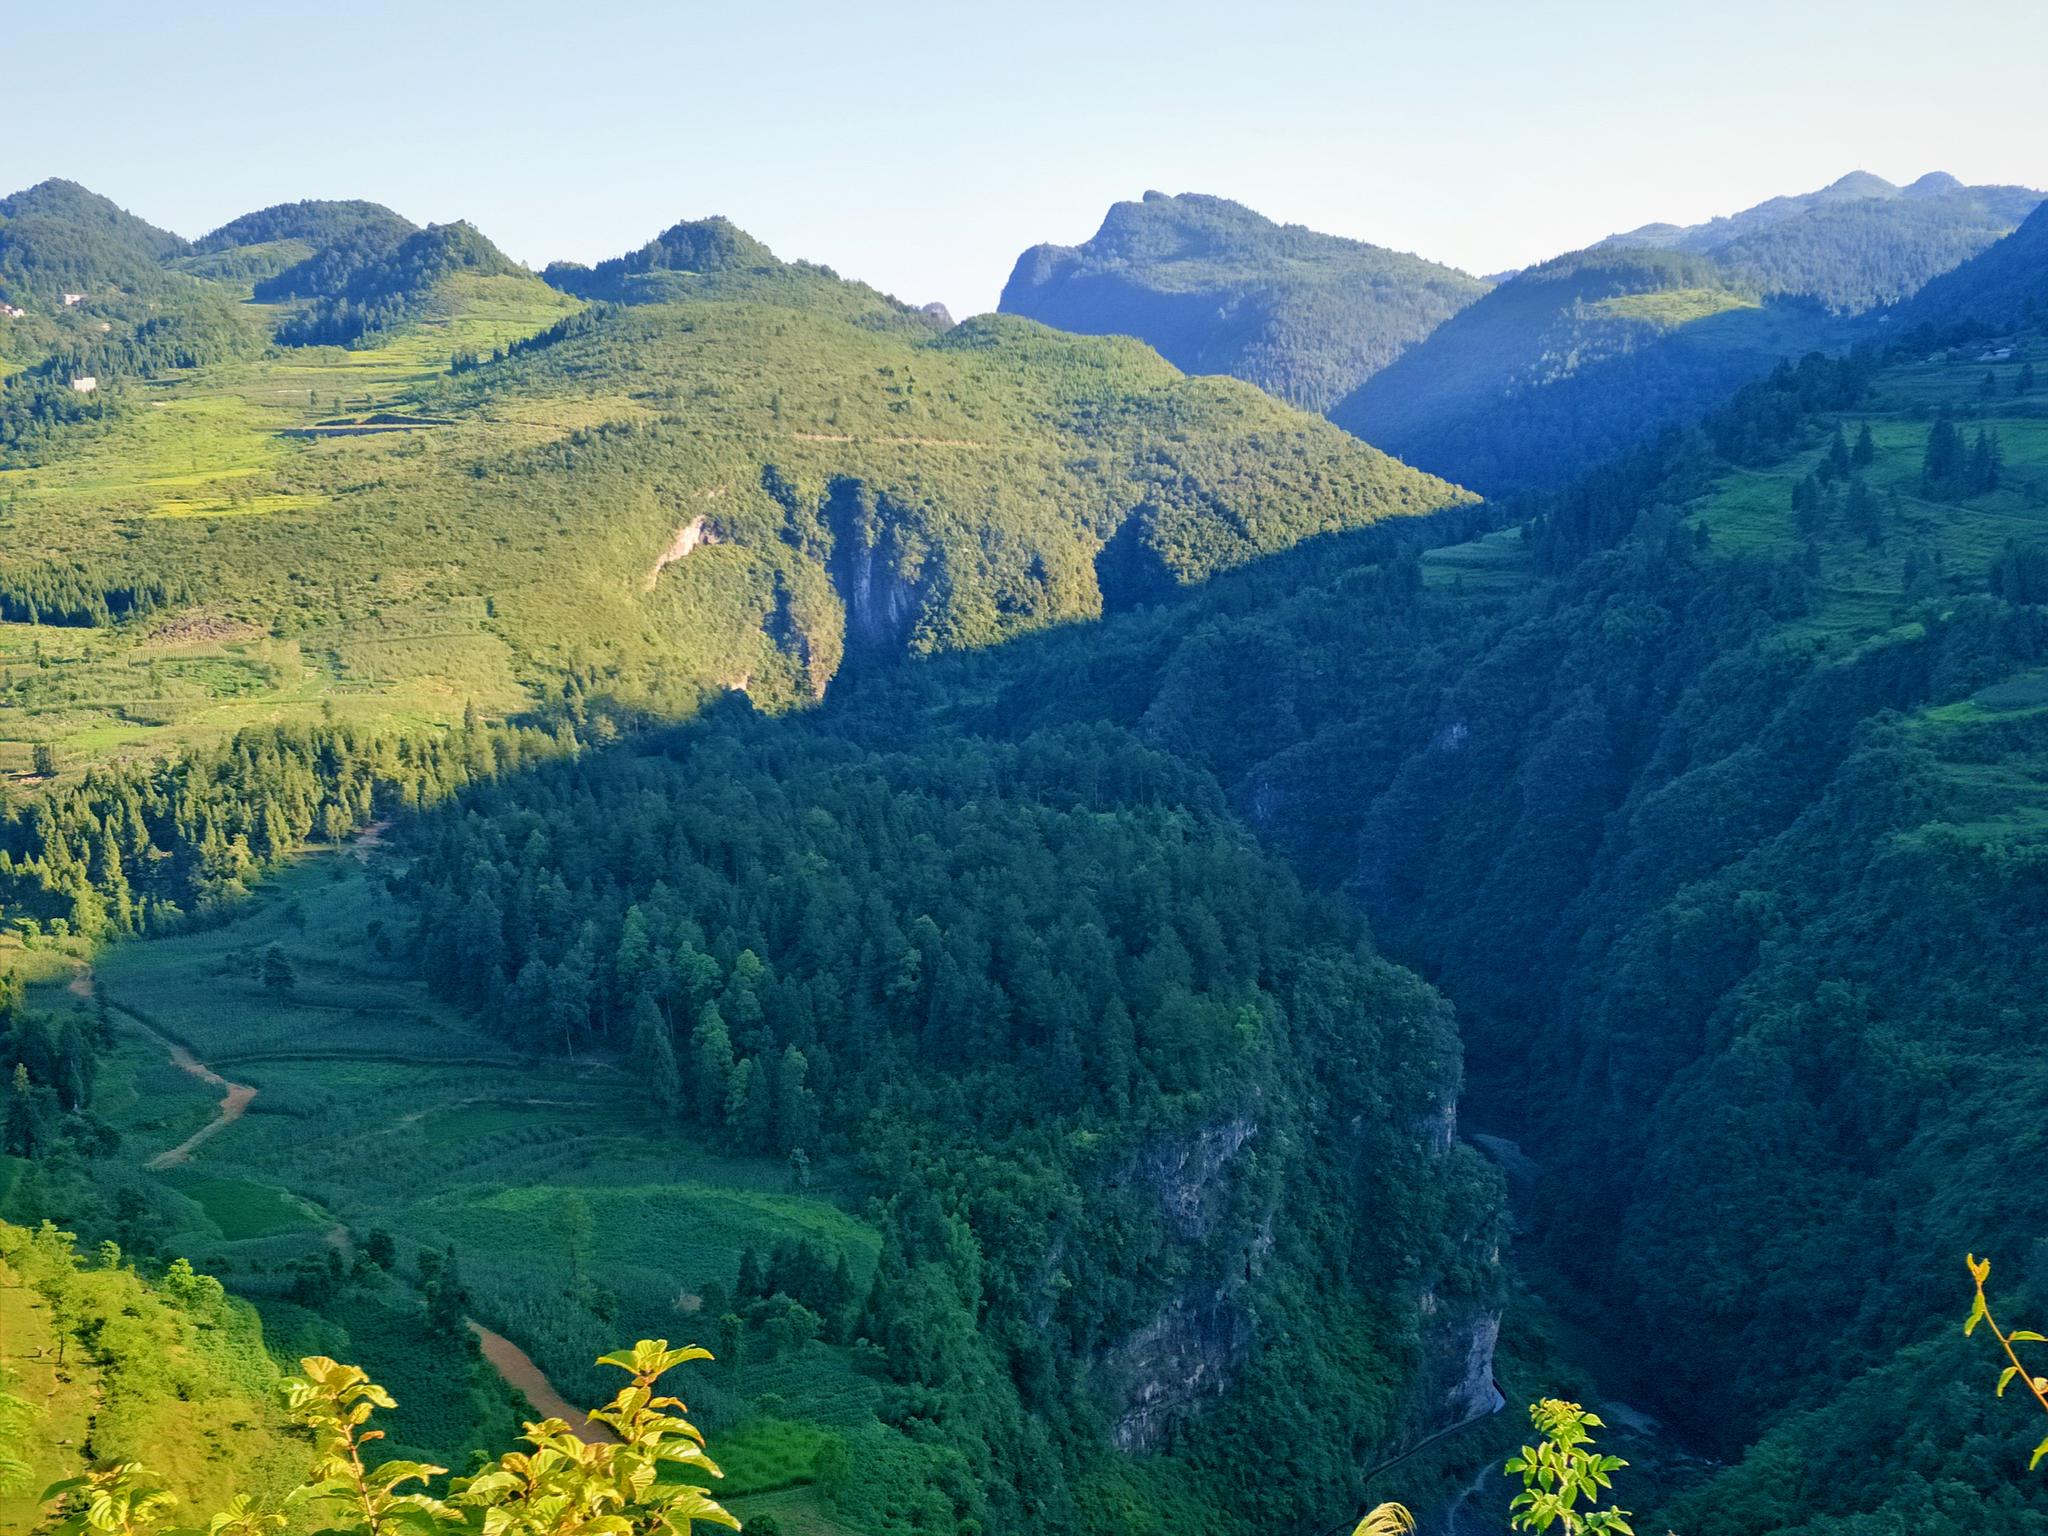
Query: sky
[920,147]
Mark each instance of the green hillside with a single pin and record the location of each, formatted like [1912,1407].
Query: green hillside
[1219,289]
[102,1364]
[694,800]
[57,237]
[1593,353]
[494,492]
[1575,360]
[1716,802]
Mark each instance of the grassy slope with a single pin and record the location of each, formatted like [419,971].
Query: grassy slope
[117,1368]
[399,574]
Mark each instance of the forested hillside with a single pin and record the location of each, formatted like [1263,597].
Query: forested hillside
[1586,356]
[1573,361]
[1859,243]
[988,1053]
[1219,289]
[1715,801]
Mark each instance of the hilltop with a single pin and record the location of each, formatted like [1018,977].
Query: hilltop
[1218,288]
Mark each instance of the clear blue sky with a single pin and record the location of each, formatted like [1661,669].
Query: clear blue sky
[922,146]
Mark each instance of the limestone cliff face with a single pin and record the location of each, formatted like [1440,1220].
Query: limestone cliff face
[1188,1352]
[875,572]
[1220,1210]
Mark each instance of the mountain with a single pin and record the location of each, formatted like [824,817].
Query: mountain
[57,237]
[1574,360]
[694,246]
[1713,799]
[1586,355]
[314,222]
[751,473]
[2004,288]
[980,1099]
[1857,244]
[1219,289]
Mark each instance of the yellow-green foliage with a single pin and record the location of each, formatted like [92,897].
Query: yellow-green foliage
[116,1368]
[634,1469]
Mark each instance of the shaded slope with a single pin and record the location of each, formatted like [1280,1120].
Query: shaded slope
[1573,360]
[1219,289]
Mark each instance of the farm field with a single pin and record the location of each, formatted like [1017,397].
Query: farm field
[376,1111]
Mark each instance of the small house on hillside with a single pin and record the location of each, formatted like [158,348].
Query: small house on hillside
[73,298]
[85,383]
[11,312]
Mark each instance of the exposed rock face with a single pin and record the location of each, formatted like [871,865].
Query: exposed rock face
[698,531]
[874,573]
[1186,1355]
[1455,1382]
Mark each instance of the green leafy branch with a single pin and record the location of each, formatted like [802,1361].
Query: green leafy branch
[562,1487]
[1564,1473]
[1980,1312]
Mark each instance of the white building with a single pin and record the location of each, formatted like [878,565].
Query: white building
[11,312]
[85,383]
[73,298]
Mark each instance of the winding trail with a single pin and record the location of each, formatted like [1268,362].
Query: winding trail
[232,1105]
[513,1365]
[519,1372]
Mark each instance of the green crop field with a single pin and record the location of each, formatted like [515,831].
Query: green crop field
[375,1109]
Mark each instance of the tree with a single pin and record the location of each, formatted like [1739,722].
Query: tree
[1865,450]
[711,1065]
[653,1055]
[43,760]
[2024,384]
[447,1300]
[574,1224]
[1943,460]
[1563,1478]
[279,979]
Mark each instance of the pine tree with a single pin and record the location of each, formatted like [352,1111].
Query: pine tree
[1865,450]
[653,1054]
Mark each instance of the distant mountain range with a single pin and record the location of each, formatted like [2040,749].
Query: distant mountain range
[1512,385]
[1218,288]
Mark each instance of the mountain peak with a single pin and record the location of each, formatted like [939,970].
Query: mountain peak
[1220,288]
[1858,184]
[1933,184]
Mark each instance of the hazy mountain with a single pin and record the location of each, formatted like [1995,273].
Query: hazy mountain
[2004,287]
[1218,288]
[1570,361]
[1856,244]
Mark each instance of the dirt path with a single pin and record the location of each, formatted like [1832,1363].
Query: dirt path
[233,1101]
[519,1371]
[511,1362]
